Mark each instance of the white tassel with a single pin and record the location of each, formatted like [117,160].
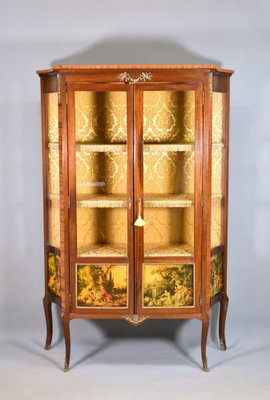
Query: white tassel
[139,221]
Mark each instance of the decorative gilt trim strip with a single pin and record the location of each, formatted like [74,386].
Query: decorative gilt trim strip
[122,148]
[135,319]
[153,148]
[58,87]
[95,148]
[170,200]
[211,76]
[99,203]
[144,76]
[120,201]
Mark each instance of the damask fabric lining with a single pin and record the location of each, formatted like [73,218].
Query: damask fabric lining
[101,117]
[51,123]
[168,171]
[161,168]
[216,223]
[218,126]
[163,226]
[164,172]
[54,225]
[51,116]
[218,119]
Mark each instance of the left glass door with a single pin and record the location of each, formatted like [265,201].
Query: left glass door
[100,130]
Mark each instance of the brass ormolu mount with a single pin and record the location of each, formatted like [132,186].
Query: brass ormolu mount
[144,76]
[135,319]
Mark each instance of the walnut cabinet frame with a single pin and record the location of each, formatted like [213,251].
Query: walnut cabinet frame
[135,176]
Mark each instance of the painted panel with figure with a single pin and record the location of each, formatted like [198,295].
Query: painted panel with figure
[54,274]
[169,285]
[216,285]
[102,286]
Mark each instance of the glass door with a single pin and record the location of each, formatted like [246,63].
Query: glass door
[168,196]
[219,193]
[101,195]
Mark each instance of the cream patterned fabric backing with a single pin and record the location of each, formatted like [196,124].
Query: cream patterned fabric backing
[218,121]
[169,116]
[218,125]
[51,125]
[51,102]
[101,226]
[101,172]
[101,117]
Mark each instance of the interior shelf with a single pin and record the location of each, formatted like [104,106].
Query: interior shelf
[101,148]
[104,250]
[147,148]
[102,200]
[120,200]
[153,148]
[95,148]
[150,250]
[151,200]
[168,250]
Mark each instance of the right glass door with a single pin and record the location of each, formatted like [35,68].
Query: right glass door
[167,197]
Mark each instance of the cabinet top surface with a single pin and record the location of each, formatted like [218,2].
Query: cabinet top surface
[79,68]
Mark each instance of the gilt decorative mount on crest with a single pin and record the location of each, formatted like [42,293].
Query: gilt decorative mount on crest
[144,76]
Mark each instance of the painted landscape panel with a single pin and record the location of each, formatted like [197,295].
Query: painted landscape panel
[170,285]
[216,284]
[102,285]
[54,274]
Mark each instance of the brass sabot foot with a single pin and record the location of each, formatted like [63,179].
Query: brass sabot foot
[66,366]
[205,366]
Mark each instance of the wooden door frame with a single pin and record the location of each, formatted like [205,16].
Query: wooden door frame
[102,312]
[180,312]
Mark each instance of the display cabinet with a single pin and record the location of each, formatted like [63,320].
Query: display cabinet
[135,175]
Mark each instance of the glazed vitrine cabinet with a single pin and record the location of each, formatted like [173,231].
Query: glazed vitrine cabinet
[135,174]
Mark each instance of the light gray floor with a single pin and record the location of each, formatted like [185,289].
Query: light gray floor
[140,365]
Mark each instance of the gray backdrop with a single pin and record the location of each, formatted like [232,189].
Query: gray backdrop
[34,35]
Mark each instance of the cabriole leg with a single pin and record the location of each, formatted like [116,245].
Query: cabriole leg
[222,320]
[49,324]
[205,327]
[66,332]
